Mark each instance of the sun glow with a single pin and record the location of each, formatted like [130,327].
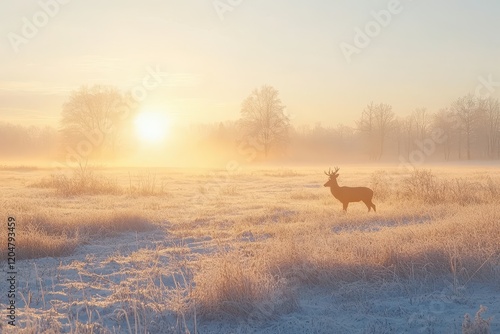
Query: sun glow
[152,126]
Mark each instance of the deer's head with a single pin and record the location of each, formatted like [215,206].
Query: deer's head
[332,177]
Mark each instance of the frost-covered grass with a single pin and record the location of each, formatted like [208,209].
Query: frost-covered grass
[266,250]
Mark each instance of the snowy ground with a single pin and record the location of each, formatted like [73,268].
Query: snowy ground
[96,285]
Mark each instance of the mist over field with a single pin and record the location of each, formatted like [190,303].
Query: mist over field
[216,166]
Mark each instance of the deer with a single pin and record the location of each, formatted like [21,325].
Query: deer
[349,194]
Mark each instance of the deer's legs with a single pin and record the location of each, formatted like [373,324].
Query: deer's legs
[345,205]
[370,205]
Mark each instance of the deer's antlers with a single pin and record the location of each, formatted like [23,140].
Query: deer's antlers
[330,173]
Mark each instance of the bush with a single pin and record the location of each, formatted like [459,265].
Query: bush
[423,186]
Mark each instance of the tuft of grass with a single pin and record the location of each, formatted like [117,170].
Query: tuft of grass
[479,325]
[42,235]
[35,242]
[492,188]
[145,184]
[85,181]
[80,184]
[227,286]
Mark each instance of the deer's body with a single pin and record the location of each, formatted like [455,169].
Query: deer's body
[349,194]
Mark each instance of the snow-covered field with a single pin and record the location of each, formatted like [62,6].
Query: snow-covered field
[258,251]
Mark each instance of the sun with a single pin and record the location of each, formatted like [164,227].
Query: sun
[152,126]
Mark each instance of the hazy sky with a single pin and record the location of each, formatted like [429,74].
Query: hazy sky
[427,54]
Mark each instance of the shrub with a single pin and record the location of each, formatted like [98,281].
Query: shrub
[422,185]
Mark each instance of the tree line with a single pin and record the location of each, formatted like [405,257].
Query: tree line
[96,122]
[469,126]
[17,141]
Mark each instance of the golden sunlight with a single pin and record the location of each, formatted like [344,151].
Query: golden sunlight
[152,126]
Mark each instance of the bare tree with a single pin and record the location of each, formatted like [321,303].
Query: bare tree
[398,133]
[490,119]
[404,133]
[93,115]
[466,110]
[384,121]
[263,120]
[444,121]
[408,125]
[376,121]
[366,125]
[344,133]
[422,122]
